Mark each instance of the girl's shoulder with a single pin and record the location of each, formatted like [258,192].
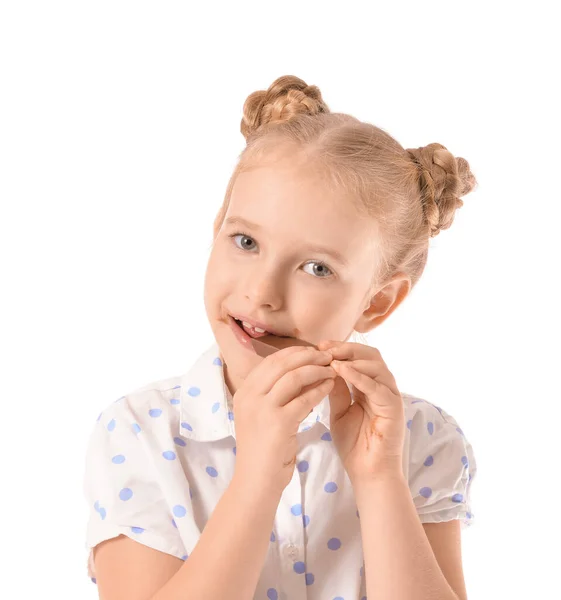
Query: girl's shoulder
[168,388]
[152,398]
[416,405]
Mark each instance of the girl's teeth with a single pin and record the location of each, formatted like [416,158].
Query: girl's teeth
[250,326]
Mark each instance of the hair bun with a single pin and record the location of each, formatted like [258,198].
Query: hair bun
[443,179]
[287,97]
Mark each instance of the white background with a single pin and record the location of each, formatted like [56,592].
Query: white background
[119,129]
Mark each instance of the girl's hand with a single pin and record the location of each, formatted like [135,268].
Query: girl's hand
[277,395]
[369,433]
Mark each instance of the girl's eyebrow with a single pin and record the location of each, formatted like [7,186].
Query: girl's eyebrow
[311,247]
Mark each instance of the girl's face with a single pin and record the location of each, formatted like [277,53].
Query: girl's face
[289,254]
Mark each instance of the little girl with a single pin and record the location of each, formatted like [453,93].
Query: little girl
[285,464]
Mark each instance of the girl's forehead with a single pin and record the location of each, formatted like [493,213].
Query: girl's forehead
[311,215]
[287,208]
[273,193]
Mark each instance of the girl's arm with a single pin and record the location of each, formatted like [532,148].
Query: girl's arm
[225,563]
[399,561]
[230,554]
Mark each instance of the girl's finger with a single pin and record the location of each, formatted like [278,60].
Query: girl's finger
[350,350]
[365,383]
[376,371]
[325,344]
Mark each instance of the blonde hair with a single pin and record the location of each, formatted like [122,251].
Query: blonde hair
[410,194]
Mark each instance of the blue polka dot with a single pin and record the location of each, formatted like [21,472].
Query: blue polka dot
[362,571]
[136,428]
[425,492]
[299,567]
[118,459]
[465,461]
[190,493]
[305,428]
[363,598]
[193,391]
[326,436]
[330,487]
[416,401]
[303,466]
[187,426]
[125,494]
[310,578]
[409,423]
[212,471]
[170,455]
[334,544]
[305,520]
[272,594]
[102,513]
[459,430]
[215,406]
[457,498]
[176,387]
[94,580]
[99,416]
[111,425]
[339,598]
[430,427]
[357,514]
[296,510]
[179,441]
[155,412]
[137,529]
[179,510]
[217,361]
[185,557]
[96,506]
[272,538]
[175,401]
[174,523]
[234,450]
[428,461]
[230,415]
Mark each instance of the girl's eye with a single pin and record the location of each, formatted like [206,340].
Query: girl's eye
[322,268]
[235,235]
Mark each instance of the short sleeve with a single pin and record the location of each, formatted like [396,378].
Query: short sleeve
[442,466]
[122,487]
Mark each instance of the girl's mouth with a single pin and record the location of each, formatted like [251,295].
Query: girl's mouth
[270,340]
[251,331]
[240,334]
[254,332]
[246,333]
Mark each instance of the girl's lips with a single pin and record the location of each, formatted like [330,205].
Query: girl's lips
[253,334]
[254,345]
[241,335]
[259,345]
[258,324]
